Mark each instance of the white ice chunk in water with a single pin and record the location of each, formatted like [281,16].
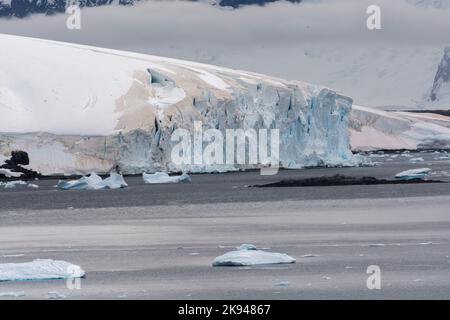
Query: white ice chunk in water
[40,269]
[115,181]
[248,255]
[163,177]
[12,294]
[13,184]
[94,182]
[414,174]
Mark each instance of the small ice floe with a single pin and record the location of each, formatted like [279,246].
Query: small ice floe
[442,158]
[426,243]
[16,294]
[249,255]
[310,256]
[376,245]
[414,174]
[246,246]
[406,154]
[13,184]
[282,284]
[377,155]
[163,177]
[326,278]
[41,269]
[12,255]
[53,295]
[415,160]
[94,182]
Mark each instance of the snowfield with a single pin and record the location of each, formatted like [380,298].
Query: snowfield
[77,109]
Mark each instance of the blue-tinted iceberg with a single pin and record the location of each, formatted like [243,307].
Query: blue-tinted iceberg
[414,174]
[94,182]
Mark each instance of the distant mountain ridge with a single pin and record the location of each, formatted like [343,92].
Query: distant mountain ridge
[24,8]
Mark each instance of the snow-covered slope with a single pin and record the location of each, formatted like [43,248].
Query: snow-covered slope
[392,77]
[372,129]
[76,109]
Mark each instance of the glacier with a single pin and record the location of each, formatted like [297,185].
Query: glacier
[373,129]
[78,109]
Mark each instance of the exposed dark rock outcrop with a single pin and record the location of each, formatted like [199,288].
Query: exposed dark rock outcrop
[15,164]
[338,180]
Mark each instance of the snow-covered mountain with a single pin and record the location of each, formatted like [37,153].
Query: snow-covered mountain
[76,108]
[440,93]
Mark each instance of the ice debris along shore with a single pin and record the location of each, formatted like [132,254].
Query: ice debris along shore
[40,269]
[14,184]
[163,177]
[94,182]
[414,174]
[142,99]
[249,255]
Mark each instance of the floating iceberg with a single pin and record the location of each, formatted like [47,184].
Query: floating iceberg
[414,174]
[248,255]
[163,177]
[94,182]
[41,269]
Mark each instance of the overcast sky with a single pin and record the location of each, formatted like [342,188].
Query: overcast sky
[165,23]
